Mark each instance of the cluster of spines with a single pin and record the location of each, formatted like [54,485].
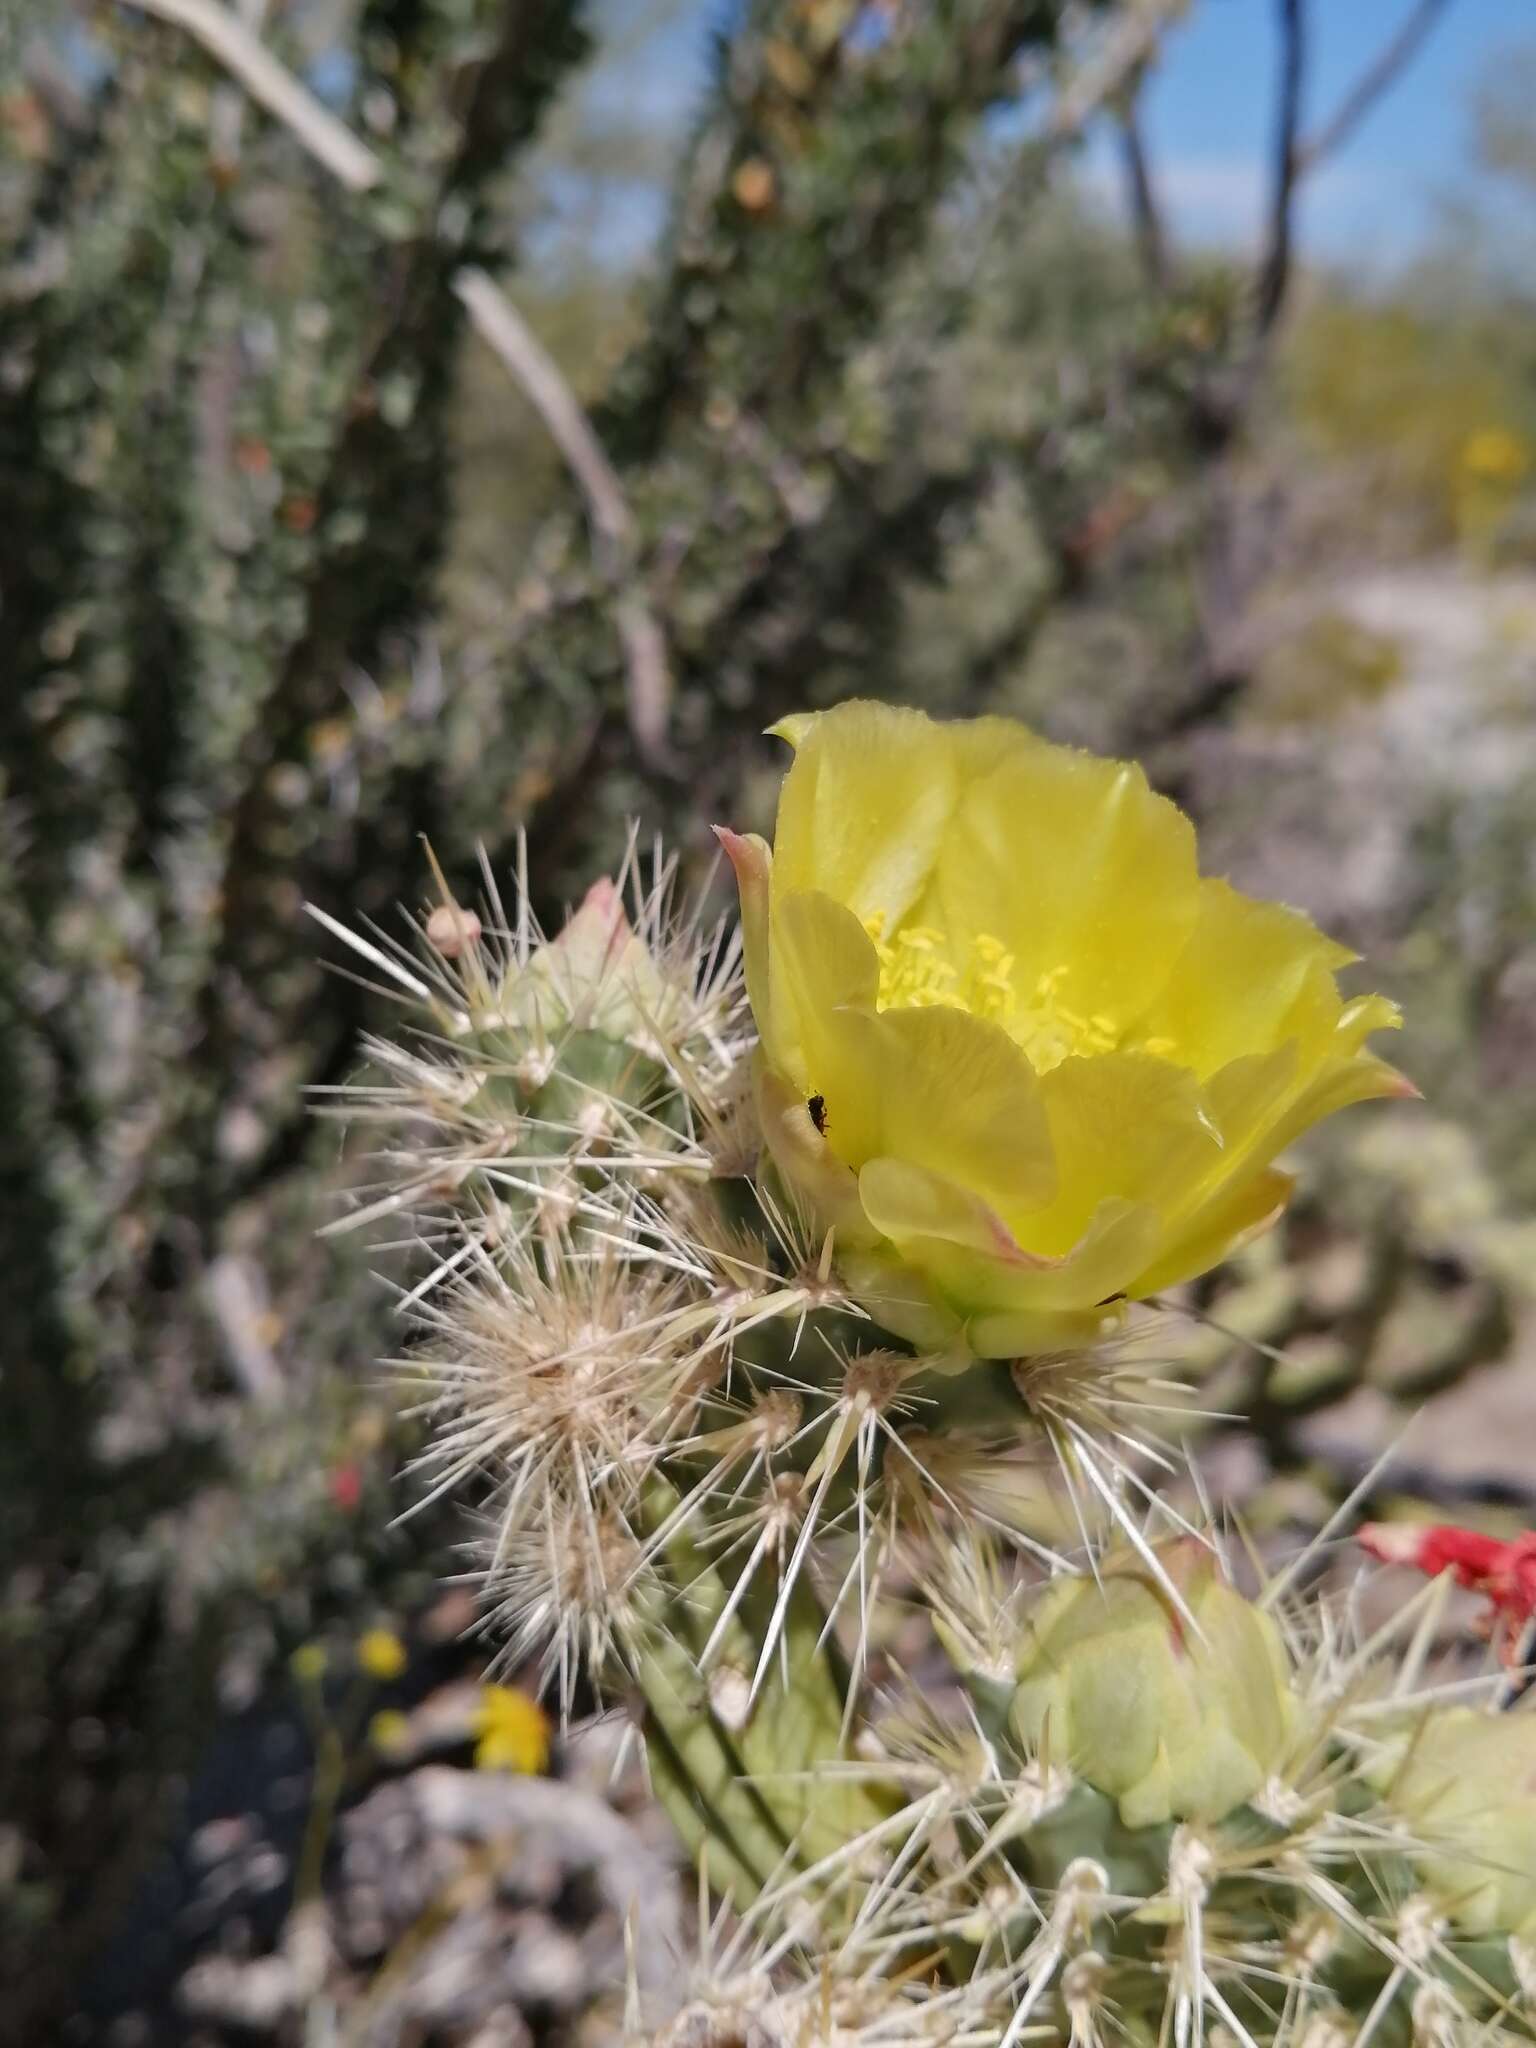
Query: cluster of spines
[620,1332]
[700,1461]
[999,1900]
[615,1303]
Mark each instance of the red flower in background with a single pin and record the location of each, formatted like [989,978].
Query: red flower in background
[345,1483]
[1504,1573]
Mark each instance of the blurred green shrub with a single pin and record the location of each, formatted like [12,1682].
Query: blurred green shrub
[290,578]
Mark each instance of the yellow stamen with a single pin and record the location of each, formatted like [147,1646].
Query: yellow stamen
[916,973]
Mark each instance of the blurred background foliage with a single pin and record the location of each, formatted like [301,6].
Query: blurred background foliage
[292,573]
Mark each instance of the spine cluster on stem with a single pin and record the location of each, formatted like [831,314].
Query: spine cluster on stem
[1136,1805]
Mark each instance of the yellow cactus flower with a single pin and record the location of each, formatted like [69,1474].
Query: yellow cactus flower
[1495,455]
[1175,1716]
[1016,1051]
[513,1731]
[381,1654]
[1465,1783]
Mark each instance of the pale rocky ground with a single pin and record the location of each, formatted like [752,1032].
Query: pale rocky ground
[1322,811]
[1327,813]
[461,1908]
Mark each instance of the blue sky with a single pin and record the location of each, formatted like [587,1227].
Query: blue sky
[1208,116]
[1208,119]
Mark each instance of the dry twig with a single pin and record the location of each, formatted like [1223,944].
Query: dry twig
[1132,41]
[519,349]
[1373,81]
[227,39]
[500,325]
[1275,265]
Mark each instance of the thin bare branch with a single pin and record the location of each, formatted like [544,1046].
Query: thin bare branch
[226,113]
[225,37]
[647,674]
[1133,39]
[1274,272]
[648,685]
[519,349]
[1146,215]
[1373,81]
[647,681]
[1294,158]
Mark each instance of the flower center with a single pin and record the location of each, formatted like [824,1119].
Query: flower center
[918,971]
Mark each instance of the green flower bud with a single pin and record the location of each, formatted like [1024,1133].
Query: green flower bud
[1464,1782]
[585,1028]
[1171,1723]
[597,974]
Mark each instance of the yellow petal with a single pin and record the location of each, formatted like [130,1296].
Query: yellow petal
[972,1258]
[753,864]
[1361,1079]
[864,808]
[1117,1243]
[1259,1104]
[1085,875]
[1248,1096]
[904,1202]
[942,1090]
[1252,975]
[825,971]
[1124,1126]
[962,1247]
[826,955]
[975,743]
[1034,1333]
[1120,1239]
[793,727]
[1242,1105]
[1236,1216]
[1364,1014]
[805,1159]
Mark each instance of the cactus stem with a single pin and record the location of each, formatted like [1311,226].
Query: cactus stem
[1079,1901]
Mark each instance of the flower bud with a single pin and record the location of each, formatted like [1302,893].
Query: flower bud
[1173,1721]
[596,974]
[1464,1783]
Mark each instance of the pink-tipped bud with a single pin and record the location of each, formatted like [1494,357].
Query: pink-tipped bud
[598,929]
[451,931]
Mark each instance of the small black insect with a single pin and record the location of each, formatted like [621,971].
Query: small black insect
[818,1108]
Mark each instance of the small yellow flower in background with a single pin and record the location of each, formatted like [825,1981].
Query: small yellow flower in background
[1016,1051]
[381,1654]
[389,1732]
[1495,455]
[513,1731]
[1492,466]
[308,1663]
